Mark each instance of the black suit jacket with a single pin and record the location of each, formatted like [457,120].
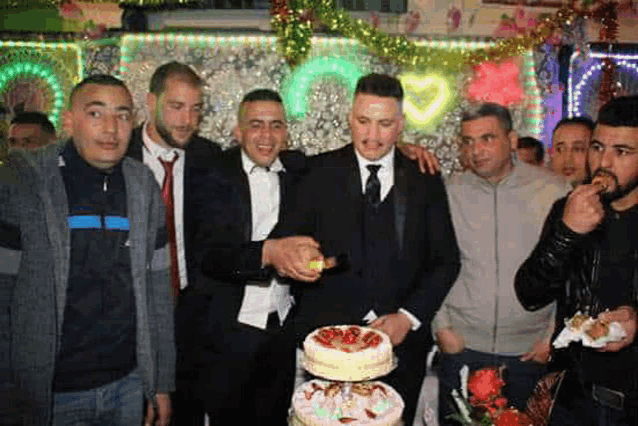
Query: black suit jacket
[223,234]
[330,209]
[200,155]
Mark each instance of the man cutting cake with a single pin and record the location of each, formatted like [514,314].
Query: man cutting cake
[390,228]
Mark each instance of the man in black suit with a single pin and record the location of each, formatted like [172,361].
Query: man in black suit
[244,350]
[369,204]
[168,144]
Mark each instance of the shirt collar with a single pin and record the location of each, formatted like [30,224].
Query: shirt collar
[157,151]
[386,162]
[249,165]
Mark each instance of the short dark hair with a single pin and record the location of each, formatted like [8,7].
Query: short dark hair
[173,69]
[528,142]
[620,112]
[262,95]
[259,95]
[34,117]
[382,85]
[102,80]
[489,109]
[583,121]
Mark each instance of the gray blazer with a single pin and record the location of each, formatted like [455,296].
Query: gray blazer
[38,203]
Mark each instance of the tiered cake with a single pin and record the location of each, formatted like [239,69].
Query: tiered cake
[346,354]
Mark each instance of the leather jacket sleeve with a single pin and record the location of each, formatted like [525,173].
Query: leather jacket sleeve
[543,276]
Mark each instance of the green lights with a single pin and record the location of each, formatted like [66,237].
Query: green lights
[13,70]
[298,84]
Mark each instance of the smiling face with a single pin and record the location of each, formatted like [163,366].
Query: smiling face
[261,131]
[175,113]
[100,122]
[614,152]
[488,147]
[569,157]
[376,123]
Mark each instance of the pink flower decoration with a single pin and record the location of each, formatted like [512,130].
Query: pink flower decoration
[496,83]
[70,10]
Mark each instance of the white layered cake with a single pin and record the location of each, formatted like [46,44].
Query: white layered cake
[348,353]
[322,403]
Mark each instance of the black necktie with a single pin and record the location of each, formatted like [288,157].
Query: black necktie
[373,186]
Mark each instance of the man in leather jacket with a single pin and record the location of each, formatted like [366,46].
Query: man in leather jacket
[587,260]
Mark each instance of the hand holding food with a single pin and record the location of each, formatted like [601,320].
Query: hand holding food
[592,332]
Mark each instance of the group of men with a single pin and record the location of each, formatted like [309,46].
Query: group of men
[188,283]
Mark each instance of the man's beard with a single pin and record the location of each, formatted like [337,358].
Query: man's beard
[166,135]
[619,191]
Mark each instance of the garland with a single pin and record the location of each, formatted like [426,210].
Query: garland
[293,21]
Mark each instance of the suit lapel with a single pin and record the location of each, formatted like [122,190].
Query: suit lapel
[56,211]
[400,198]
[240,181]
[136,143]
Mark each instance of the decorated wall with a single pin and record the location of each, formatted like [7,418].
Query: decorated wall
[541,64]
[317,93]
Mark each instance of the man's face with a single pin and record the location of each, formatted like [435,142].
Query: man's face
[176,112]
[488,147]
[569,157]
[527,155]
[614,152]
[376,123]
[100,121]
[262,131]
[28,136]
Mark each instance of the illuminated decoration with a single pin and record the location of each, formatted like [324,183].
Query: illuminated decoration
[293,27]
[296,88]
[578,93]
[331,60]
[427,98]
[535,110]
[46,70]
[496,83]
[14,70]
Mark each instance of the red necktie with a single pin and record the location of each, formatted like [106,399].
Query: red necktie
[167,196]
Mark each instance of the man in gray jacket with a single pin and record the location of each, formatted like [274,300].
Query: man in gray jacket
[85,261]
[498,207]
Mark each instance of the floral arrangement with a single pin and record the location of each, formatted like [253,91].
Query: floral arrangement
[481,401]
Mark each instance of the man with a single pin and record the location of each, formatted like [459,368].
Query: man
[530,151]
[389,225]
[570,142]
[168,141]
[586,260]
[30,130]
[91,313]
[244,350]
[498,207]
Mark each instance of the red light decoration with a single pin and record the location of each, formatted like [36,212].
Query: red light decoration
[496,83]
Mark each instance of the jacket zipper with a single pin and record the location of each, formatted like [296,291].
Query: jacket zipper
[593,281]
[497,270]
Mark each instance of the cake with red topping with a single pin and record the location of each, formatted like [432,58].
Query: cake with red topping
[324,403]
[348,353]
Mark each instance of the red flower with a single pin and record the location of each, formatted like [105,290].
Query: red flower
[501,402]
[485,384]
[513,417]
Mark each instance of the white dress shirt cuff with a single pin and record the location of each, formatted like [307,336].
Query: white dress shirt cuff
[415,322]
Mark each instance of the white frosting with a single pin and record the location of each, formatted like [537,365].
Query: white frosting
[314,406]
[364,362]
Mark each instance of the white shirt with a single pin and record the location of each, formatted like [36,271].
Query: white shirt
[385,173]
[151,154]
[261,299]
[386,177]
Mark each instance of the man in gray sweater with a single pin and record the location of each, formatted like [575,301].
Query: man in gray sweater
[84,258]
[498,207]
